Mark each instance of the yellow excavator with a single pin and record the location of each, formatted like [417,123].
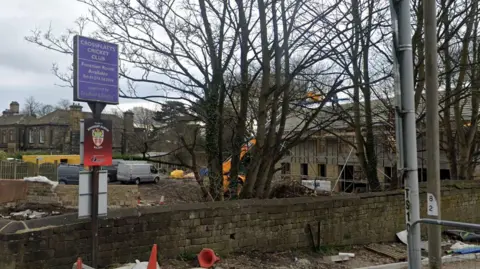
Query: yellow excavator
[311,97]
[227,164]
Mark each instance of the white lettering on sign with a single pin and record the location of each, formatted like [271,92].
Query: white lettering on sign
[407,208]
[432,206]
[98,45]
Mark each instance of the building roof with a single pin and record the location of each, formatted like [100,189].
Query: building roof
[380,113]
[57,117]
[15,119]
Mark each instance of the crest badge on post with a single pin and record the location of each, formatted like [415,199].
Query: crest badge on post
[98,142]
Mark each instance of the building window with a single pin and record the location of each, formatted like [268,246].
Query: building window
[12,137]
[4,137]
[304,169]
[285,168]
[322,170]
[41,137]
[30,136]
[51,136]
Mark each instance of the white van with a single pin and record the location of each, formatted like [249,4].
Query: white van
[128,172]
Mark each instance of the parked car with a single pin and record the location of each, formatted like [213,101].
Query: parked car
[69,174]
[130,172]
[112,170]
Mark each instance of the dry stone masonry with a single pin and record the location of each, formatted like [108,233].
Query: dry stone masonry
[267,225]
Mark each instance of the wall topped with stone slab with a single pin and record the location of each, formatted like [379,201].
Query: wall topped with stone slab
[20,192]
[267,225]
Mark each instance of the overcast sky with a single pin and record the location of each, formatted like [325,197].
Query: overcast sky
[25,69]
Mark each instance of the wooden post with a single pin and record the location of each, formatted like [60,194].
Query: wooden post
[55,170]
[15,169]
[36,167]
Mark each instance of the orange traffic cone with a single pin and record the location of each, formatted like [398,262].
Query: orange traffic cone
[152,262]
[79,263]
[207,258]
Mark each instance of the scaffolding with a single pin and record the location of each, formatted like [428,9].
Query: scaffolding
[348,176]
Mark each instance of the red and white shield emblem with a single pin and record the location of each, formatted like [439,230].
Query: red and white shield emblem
[98,136]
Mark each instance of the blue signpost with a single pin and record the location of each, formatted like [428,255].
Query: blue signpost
[95,79]
[96,71]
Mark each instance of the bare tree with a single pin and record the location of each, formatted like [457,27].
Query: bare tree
[461,77]
[45,109]
[31,106]
[188,45]
[293,55]
[364,60]
[146,132]
[279,50]
[63,104]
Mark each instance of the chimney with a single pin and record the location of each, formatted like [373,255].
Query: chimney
[75,116]
[128,121]
[76,107]
[14,107]
[127,130]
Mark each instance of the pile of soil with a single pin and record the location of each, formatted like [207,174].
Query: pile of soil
[292,189]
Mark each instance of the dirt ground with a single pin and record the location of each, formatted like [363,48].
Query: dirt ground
[187,191]
[175,191]
[289,260]
[473,264]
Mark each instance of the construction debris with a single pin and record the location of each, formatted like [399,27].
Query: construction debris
[350,255]
[318,185]
[41,179]
[462,248]
[463,235]
[391,252]
[28,214]
[142,265]
[402,236]
[337,258]
[341,257]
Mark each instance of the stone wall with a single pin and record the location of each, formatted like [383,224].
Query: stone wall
[12,191]
[26,192]
[15,192]
[268,225]
[118,195]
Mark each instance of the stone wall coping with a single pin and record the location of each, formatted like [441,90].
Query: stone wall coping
[10,227]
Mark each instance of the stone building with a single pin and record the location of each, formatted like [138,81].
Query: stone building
[329,154]
[56,132]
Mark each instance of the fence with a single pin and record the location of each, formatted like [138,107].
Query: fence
[19,170]
[463,254]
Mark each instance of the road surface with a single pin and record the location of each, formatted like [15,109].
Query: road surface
[473,264]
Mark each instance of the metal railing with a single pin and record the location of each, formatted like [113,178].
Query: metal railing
[466,261]
[20,170]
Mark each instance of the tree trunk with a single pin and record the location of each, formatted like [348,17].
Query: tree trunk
[465,139]
[419,50]
[371,155]
[257,151]
[240,128]
[447,121]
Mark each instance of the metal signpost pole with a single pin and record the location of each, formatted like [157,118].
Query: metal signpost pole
[97,109]
[82,140]
[96,82]
[412,203]
[398,94]
[432,133]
